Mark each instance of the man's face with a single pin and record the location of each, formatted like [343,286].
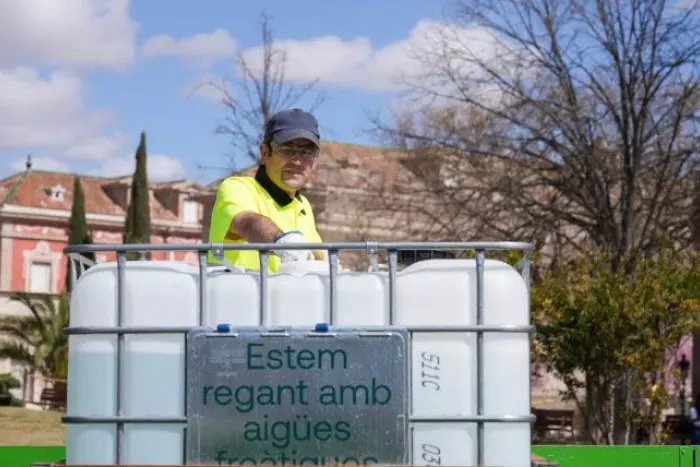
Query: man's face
[290,165]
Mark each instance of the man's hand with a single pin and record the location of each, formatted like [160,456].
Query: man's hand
[293,255]
[254,227]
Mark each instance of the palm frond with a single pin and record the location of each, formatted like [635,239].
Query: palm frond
[18,352]
[37,339]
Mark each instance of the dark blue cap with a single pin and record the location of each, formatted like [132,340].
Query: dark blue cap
[287,125]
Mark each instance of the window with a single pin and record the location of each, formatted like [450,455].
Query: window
[57,192]
[190,213]
[40,278]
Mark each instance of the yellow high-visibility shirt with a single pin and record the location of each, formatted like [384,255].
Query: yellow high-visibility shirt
[260,195]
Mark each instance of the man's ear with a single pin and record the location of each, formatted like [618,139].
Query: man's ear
[264,152]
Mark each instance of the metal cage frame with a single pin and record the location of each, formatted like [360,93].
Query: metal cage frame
[78,263]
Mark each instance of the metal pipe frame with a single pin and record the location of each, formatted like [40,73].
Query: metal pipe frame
[371,248]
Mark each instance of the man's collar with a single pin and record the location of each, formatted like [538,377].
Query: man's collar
[280,196]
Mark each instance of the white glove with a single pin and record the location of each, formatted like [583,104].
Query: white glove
[287,256]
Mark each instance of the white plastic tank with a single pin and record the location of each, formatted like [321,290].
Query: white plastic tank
[434,292]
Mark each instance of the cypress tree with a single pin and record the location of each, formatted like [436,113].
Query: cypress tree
[137,226]
[77,226]
[77,229]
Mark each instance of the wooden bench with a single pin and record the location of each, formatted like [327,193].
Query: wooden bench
[54,398]
[553,424]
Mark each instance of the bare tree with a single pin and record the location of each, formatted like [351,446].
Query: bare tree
[587,110]
[433,191]
[257,94]
[581,124]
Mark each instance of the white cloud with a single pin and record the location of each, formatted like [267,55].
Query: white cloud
[334,61]
[83,33]
[327,58]
[201,50]
[46,112]
[49,112]
[160,167]
[41,163]
[98,147]
[356,63]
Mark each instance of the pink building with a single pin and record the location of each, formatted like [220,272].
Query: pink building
[33,231]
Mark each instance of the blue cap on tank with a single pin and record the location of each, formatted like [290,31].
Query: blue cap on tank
[321,327]
[223,328]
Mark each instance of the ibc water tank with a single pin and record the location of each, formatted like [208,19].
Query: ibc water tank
[439,292]
[152,371]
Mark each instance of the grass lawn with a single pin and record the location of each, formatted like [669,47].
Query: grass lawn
[23,427]
[28,436]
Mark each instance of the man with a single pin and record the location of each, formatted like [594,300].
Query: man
[268,207]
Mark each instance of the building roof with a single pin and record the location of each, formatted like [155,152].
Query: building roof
[34,192]
[102,194]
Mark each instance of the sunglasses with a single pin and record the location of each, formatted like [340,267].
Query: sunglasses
[290,150]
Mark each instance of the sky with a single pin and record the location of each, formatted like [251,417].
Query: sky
[81,79]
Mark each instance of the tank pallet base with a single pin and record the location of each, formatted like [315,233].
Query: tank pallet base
[535,463]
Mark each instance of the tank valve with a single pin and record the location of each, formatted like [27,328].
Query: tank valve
[223,328]
[321,327]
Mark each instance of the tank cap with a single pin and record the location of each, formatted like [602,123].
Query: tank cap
[223,328]
[321,327]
